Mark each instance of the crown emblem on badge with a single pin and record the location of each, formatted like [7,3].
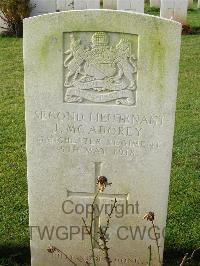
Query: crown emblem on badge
[100,39]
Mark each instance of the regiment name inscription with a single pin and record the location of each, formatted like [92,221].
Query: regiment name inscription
[120,135]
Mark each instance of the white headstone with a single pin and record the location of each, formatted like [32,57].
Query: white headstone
[174,9]
[198,4]
[43,7]
[86,4]
[131,5]
[110,4]
[100,94]
[190,3]
[63,5]
[155,3]
[2,23]
[167,9]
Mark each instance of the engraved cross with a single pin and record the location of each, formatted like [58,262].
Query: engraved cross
[100,196]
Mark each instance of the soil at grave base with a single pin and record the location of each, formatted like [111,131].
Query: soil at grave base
[187,29]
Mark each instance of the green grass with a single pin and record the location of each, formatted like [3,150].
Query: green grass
[183,226]
[193,17]
[13,197]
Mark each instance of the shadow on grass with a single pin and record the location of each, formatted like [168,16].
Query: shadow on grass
[14,256]
[187,30]
[174,258]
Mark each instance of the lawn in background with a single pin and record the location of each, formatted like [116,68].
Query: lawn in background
[193,17]
[183,226]
[13,185]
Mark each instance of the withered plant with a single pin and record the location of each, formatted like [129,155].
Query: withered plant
[151,217]
[101,239]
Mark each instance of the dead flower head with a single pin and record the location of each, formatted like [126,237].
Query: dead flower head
[51,249]
[149,216]
[102,182]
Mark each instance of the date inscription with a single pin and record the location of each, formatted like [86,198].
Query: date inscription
[120,135]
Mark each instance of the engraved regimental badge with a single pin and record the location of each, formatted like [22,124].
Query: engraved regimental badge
[100,73]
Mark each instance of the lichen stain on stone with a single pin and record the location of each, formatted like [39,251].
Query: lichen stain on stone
[48,44]
[158,59]
[44,51]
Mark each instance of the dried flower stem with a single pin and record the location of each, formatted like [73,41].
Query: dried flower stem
[88,231]
[110,216]
[157,244]
[102,182]
[53,249]
[150,255]
[102,234]
[196,250]
[105,248]
[186,259]
[150,216]
[91,228]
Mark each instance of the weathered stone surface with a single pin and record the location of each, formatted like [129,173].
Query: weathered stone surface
[100,93]
[155,3]
[63,5]
[43,7]
[174,9]
[86,4]
[2,23]
[110,4]
[131,5]
[190,3]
